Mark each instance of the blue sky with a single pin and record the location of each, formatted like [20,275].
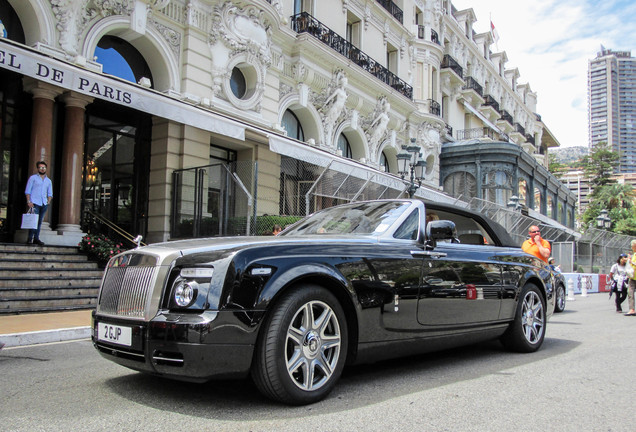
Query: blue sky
[551,42]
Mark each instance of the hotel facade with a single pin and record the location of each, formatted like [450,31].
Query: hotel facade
[181,118]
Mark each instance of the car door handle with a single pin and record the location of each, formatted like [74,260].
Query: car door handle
[429,254]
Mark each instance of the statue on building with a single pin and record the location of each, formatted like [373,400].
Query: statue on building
[334,104]
[377,128]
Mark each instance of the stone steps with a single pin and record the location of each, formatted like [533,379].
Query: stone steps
[46,278]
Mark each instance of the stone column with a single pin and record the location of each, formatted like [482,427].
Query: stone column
[70,199]
[41,142]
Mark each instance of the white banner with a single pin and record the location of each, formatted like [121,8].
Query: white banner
[36,65]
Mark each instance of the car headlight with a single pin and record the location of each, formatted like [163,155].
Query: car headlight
[189,287]
[185,292]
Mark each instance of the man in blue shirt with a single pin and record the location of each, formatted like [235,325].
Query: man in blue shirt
[39,192]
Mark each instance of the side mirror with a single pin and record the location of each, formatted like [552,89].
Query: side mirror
[440,230]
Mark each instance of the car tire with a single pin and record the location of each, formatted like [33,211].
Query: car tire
[527,331]
[302,347]
[559,301]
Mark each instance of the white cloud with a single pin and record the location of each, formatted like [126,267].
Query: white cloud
[551,42]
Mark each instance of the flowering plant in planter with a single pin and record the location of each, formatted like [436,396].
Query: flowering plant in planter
[100,247]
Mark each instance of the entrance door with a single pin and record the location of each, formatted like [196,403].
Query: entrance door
[14,135]
[116,172]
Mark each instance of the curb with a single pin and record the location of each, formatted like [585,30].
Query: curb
[46,336]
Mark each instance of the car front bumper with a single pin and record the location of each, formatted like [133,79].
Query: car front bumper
[187,347]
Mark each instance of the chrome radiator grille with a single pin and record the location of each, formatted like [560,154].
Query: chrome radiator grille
[126,291]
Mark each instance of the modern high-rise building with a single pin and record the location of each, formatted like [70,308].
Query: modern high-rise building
[612,104]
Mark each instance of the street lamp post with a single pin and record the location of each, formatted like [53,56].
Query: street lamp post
[604,221]
[410,161]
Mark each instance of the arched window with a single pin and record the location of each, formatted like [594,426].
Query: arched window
[461,184]
[344,147]
[537,199]
[121,59]
[292,125]
[384,162]
[497,187]
[10,26]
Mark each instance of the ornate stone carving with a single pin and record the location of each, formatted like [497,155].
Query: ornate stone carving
[73,17]
[333,106]
[242,30]
[375,126]
[171,36]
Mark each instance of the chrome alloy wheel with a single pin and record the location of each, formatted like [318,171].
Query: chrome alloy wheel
[532,317]
[312,346]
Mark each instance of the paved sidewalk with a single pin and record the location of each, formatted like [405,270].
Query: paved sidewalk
[36,328]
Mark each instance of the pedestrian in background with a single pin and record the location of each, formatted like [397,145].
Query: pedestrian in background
[632,282]
[537,246]
[619,280]
[277,229]
[39,192]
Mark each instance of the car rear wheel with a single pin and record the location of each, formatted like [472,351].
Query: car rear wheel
[302,348]
[559,303]
[527,331]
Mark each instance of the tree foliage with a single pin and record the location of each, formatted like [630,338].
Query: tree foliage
[599,165]
[618,200]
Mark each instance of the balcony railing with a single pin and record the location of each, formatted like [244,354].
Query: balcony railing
[434,107]
[305,23]
[485,132]
[434,37]
[472,84]
[530,139]
[393,9]
[520,129]
[505,115]
[421,34]
[450,63]
[490,101]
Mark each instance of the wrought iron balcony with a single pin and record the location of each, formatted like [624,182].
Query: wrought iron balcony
[485,132]
[520,129]
[434,107]
[434,37]
[393,9]
[490,101]
[505,115]
[530,139]
[450,63]
[421,34]
[472,84]
[305,23]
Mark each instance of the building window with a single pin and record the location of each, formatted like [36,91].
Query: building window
[10,26]
[292,125]
[121,59]
[384,162]
[343,147]
[461,184]
[237,83]
[353,30]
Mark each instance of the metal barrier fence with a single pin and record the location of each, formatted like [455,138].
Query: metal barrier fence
[224,200]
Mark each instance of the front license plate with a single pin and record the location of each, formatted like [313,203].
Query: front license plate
[114,334]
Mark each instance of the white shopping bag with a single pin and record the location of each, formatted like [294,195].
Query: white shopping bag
[29,220]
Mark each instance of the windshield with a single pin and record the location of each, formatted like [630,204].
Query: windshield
[369,218]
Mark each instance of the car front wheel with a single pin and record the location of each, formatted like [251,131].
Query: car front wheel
[559,304]
[527,331]
[301,351]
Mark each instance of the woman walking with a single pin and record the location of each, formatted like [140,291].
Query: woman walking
[620,280]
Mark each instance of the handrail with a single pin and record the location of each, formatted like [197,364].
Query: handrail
[119,230]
